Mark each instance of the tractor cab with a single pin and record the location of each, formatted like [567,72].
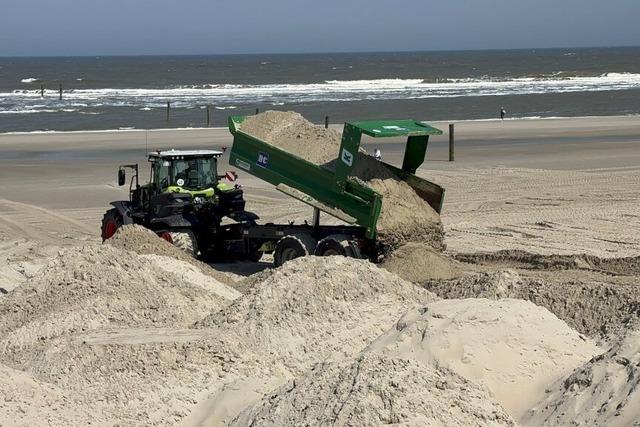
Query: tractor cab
[186,171]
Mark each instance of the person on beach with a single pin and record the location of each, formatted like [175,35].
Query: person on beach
[503,113]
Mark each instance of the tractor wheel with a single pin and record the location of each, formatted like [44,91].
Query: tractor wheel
[186,241]
[291,247]
[111,221]
[337,244]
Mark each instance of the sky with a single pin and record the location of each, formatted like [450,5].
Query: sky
[145,27]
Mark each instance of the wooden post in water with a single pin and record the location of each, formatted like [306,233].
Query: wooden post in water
[60,91]
[41,91]
[208,116]
[326,122]
[257,111]
[168,109]
[451,142]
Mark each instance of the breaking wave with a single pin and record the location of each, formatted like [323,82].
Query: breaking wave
[229,95]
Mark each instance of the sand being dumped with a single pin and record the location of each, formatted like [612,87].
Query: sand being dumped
[404,217]
[593,308]
[505,345]
[377,390]
[418,262]
[603,391]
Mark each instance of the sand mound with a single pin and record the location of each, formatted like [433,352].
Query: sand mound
[374,390]
[593,308]
[313,307]
[417,262]
[28,402]
[603,391]
[95,287]
[505,345]
[404,217]
[145,242]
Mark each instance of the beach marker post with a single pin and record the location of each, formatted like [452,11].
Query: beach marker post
[326,122]
[451,142]
[60,91]
[168,109]
[208,115]
[41,91]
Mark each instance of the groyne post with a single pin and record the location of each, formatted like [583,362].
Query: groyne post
[60,91]
[168,109]
[41,91]
[451,142]
[208,116]
[326,122]
[257,111]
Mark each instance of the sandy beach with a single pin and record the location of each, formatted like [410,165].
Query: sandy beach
[547,186]
[539,275]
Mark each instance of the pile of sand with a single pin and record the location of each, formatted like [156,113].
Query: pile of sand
[603,391]
[377,390]
[404,217]
[97,287]
[25,401]
[143,241]
[292,317]
[313,307]
[112,328]
[418,262]
[505,345]
[593,308]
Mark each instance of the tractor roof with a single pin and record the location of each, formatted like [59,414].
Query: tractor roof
[184,154]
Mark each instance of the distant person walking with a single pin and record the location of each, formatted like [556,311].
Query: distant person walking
[503,113]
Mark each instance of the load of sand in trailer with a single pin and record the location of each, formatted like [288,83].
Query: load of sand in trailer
[405,216]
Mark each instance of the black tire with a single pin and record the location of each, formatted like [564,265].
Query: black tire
[291,247]
[337,245]
[185,240]
[111,221]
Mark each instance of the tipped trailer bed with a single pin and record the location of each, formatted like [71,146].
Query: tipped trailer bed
[334,192]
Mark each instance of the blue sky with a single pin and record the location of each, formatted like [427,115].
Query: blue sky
[132,27]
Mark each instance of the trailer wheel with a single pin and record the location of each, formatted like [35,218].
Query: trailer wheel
[291,247]
[337,244]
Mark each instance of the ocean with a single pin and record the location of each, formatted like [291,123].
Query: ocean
[133,92]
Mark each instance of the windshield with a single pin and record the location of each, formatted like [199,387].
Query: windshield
[194,174]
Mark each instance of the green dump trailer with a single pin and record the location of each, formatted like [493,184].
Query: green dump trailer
[334,192]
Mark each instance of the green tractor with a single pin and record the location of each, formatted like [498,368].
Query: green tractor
[185,203]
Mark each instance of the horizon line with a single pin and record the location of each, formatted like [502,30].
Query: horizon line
[322,52]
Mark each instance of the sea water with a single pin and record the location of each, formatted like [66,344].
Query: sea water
[133,92]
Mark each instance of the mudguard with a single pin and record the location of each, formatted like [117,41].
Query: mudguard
[124,209]
[172,221]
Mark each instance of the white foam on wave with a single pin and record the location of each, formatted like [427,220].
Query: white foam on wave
[28,111]
[231,95]
[29,80]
